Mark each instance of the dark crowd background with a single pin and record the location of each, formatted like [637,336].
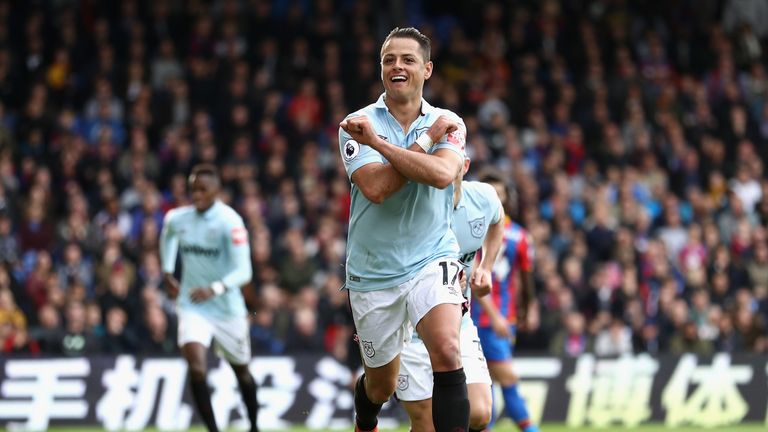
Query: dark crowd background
[634,133]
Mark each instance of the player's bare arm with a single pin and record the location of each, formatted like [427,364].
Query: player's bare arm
[378,181]
[481,282]
[171,285]
[498,322]
[437,170]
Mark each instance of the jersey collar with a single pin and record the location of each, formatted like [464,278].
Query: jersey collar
[208,214]
[426,108]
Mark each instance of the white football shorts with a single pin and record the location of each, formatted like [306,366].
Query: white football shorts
[232,338]
[382,317]
[415,380]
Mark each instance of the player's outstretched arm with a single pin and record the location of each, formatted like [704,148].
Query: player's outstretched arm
[437,170]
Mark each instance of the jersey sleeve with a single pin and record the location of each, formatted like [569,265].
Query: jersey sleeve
[455,141]
[239,252]
[356,155]
[525,253]
[169,244]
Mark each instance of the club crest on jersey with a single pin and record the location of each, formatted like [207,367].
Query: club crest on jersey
[477,227]
[402,382]
[351,150]
[368,348]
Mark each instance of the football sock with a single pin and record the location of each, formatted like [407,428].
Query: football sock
[450,402]
[248,390]
[202,396]
[515,406]
[366,412]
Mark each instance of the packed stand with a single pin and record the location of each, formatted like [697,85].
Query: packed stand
[635,135]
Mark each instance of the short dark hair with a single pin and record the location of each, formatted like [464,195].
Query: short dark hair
[493,175]
[412,33]
[205,169]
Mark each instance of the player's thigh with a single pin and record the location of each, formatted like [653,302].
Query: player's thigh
[194,328]
[420,414]
[495,348]
[414,382]
[381,324]
[472,358]
[434,306]
[233,340]
[498,353]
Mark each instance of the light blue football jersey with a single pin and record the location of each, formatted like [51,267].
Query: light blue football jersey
[214,247]
[478,208]
[389,243]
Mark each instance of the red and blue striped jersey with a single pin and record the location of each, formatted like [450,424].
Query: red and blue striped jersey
[516,254]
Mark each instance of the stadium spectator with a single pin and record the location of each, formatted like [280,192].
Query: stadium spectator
[627,144]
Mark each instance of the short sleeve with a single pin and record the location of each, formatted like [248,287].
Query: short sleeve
[455,141]
[235,232]
[356,155]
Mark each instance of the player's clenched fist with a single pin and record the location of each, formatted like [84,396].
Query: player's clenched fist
[442,127]
[360,129]
[481,283]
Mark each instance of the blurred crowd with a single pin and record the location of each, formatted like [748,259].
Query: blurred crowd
[635,135]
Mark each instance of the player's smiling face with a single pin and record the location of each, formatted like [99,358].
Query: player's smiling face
[403,69]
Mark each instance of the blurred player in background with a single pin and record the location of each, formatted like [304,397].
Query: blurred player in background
[478,218]
[216,263]
[495,314]
[402,156]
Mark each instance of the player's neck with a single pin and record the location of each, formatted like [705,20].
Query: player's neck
[202,211]
[404,111]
